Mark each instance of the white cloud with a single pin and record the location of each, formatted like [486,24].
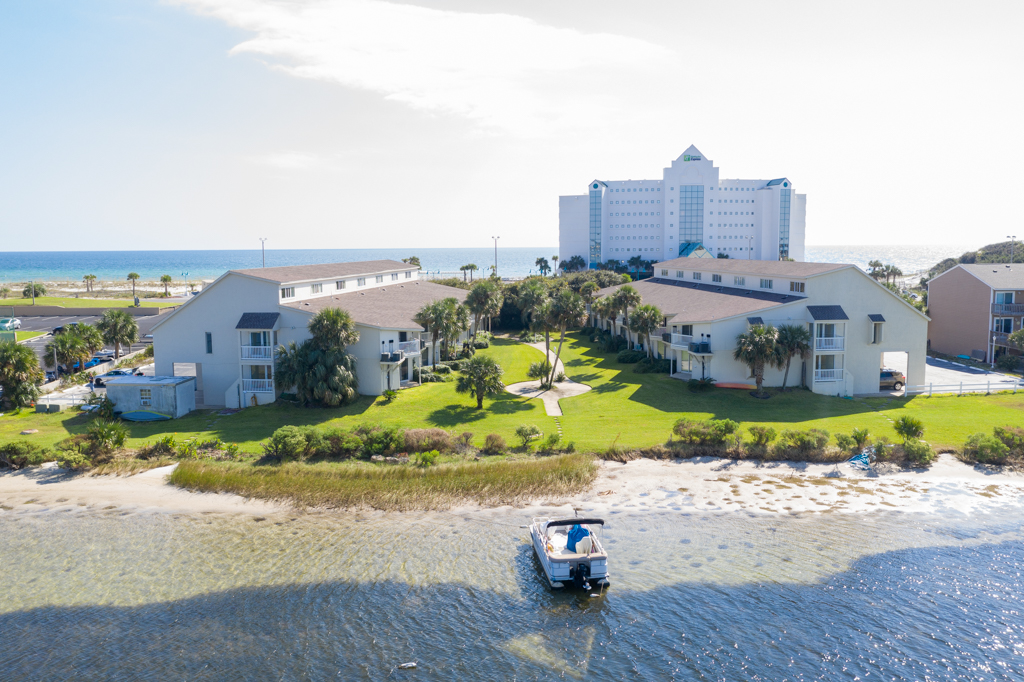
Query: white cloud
[507,73]
[294,161]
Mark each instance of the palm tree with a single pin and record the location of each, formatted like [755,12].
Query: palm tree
[543,265]
[636,262]
[455,320]
[480,301]
[431,317]
[542,323]
[554,263]
[166,281]
[118,328]
[793,340]
[481,376]
[444,319]
[1016,339]
[133,277]
[532,293]
[877,271]
[600,308]
[756,349]
[333,328]
[644,321]
[908,428]
[89,279]
[587,291]
[5,292]
[65,349]
[566,310]
[412,260]
[469,267]
[320,376]
[625,298]
[19,375]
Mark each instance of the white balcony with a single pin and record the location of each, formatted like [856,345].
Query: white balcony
[258,385]
[257,352]
[681,341]
[409,347]
[829,343]
[828,375]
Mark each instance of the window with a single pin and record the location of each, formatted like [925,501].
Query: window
[317,288]
[679,274]
[361,282]
[716,278]
[408,275]
[766,283]
[876,332]
[394,276]
[340,284]
[686,329]
[798,287]
[209,342]
[1004,298]
[145,396]
[288,292]
[664,273]
[259,338]
[696,275]
[380,279]
[739,281]
[1003,325]
[259,372]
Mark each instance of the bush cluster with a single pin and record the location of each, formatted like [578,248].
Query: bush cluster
[1008,363]
[300,443]
[18,453]
[656,366]
[709,432]
[539,370]
[1004,446]
[494,445]
[628,357]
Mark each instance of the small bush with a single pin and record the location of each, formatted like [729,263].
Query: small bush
[107,435]
[526,336]
[1012,437]
[340,444]
[188,450]
[454,365]
[232,450]
[628,357]
[425,459]
[73,460]
[480,344]
[527,432]
[19,453]
[649,366]
[494,445]
[860,437]
[570,447]
[1008,363]
[293,442]
[762,435]
[425,376]
[466,440]
[442,370]
[163,447]
[909,428]
[700,385]
[551,442]
[390,395]
[613,344]
[845,442]
[423,440]
[709,432]
[539,370]
[918,452]
[379,439]
[803,443]
[986,449]
[560,377]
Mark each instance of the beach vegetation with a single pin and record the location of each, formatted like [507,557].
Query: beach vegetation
[166,281]
[762,436]
[20,375]
[527,432]
[118,328]
[480,377]
[36,287]
[494,445]
[756,349]
[320,369]
[89,280]
[5,291]
[793,341]
[133,277]
[17,454]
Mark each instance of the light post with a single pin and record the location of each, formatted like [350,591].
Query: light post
[263,248]
[495,255]
[1012,238]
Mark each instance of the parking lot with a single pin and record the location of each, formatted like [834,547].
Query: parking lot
[951,375]
[47,323]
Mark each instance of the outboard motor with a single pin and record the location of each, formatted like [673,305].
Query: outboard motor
[581,575]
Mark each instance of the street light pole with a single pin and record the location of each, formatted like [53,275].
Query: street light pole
[1012,238]
[263,247]
[495,255]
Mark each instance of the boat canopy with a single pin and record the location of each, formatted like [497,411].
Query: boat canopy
[573,522]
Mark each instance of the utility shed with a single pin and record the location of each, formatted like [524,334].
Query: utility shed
[169,397]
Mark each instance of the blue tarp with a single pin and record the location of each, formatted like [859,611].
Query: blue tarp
[863,459]
[576,533]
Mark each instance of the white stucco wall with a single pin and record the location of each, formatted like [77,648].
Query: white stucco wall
[573,227]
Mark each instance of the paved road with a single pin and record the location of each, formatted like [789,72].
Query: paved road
[46,323]
[947,374]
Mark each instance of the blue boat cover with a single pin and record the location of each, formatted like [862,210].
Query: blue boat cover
[576,533]
[144,416]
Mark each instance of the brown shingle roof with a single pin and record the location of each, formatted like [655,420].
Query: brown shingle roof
[998,275]
[767,268]
[389,307]
[690,302]
[304,273]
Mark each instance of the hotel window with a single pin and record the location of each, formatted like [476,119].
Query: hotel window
[145,396]
[798,287]
[716,278]
[394,277]
[361,282]
[766,283]
[696,275]
[209,343]
[340,284]
[380,279]
[739,281]
[288,292]
[316,288]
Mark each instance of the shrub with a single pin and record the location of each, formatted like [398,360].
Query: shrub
[232,450]
[628,357]
[527,432]
[909,428]
[422,440]
[494,445]
[860,437]
[560,377]
[986,449]
[340,444]
[804,442]
[845,442]
[551,442]
[480,344]
[27,291]
[188,450]
[649,366]
[762,435]
[709,432]
[526,336]
[539,370]
[570,447]
[293,442]
[1008,363]
[1012,437]
[442,369]
[613,344]
[425,376]
[700,385]
[19,453]
[80,443]
[454,365]
[466,440]
[918,452]
[379,439]
[107,435]
[73,460]
[425,459]
[390,395]
[468,351]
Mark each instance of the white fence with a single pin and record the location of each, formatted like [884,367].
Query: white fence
[961,388]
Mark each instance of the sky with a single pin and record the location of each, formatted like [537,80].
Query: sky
[207,124]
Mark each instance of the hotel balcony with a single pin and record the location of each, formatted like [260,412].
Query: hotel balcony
[829,343]
[828,375]
[680,341]
[257,352]
[258,385]
[1008,308]
[392,358]
[409,347]
[1001,339]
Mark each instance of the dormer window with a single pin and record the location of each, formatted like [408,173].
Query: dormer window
[796,287]
[288,292]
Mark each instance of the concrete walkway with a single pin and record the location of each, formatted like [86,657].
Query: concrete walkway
[551,396]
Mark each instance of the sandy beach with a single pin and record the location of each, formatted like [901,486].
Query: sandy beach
[698,485]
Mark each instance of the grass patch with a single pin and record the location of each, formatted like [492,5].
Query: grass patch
[393,488]
[129,467]
[25,336]
[72,302]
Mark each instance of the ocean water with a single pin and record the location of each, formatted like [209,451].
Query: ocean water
[111,594]
[50,266]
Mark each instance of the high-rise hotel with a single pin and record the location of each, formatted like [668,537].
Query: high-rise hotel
[689,212]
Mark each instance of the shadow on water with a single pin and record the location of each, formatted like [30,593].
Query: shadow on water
[931,613]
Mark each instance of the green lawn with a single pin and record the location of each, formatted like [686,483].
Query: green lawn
[634,409]
[24,336]
[90,302]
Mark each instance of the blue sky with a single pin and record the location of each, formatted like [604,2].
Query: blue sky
[359,123]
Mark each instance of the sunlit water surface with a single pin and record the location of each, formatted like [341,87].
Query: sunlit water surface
[105,595]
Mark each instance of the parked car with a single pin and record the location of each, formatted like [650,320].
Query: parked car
[62,328]
[101,380]
[892,379]
[9,324]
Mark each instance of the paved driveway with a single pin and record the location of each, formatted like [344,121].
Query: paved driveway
[950,375]
[46,323]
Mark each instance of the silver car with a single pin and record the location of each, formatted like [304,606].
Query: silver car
[9,324]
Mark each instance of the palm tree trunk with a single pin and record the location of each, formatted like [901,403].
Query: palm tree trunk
[479,400]
[547,342]
[476,325]
[558,355]
[785,376]
[433,353]
[117,350]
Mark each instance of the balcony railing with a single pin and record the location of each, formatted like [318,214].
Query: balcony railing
[409,347]
[681,341]
[828,374]
[829,343]
[257,352]
[1001,339]
[392,358]
[425,337]
[258,385]
[1008,308]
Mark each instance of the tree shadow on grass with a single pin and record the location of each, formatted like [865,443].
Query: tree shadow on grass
[455,414]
